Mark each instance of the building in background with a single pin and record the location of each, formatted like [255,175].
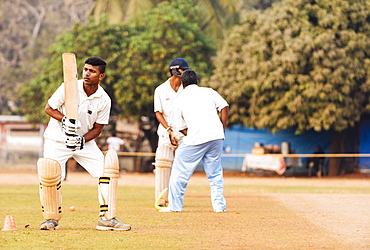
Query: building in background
[20,143]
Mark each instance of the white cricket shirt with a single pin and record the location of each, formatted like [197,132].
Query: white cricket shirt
[91,109]
[196,109]
[115,143]
[164,95]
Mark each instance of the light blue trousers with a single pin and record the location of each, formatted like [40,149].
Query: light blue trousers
[186,160]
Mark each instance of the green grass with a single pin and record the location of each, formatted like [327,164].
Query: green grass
[197,227]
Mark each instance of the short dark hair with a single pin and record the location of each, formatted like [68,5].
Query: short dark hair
[96,61]
[189,77]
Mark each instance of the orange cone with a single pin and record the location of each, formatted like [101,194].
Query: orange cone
[9,224]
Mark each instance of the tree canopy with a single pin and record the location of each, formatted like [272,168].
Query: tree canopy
[27,28]
[216,18]
[137,54]
[302,64]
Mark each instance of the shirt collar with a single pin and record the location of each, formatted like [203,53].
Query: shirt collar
[99,92]
[192,86]
[168,85]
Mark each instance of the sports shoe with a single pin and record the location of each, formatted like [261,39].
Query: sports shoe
[49,225]
[165,209]
[220,211]
[112,225]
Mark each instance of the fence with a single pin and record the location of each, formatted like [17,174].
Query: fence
[25,158]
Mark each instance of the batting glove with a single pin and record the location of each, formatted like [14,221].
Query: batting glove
[70,126]
[75,142]
[173,138]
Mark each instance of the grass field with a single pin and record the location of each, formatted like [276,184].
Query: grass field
[262,213]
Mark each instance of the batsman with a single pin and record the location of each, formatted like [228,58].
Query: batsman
[168,137]
[78,111]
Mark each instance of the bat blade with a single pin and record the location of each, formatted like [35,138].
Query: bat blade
[70,85]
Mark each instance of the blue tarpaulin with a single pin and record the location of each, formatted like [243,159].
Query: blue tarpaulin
[240,140]
[364,148]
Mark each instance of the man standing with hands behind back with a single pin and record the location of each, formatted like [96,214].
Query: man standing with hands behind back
[195,115]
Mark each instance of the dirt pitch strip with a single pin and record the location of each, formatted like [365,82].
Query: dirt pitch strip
[323,219]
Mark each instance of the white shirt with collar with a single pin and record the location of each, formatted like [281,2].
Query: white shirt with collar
[91,109]
[115,143]
[196,109]
[164,96]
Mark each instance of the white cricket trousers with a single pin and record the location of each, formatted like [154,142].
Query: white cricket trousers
[187,158]
[90,157]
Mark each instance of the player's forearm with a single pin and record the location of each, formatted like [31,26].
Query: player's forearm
[224,116]
[56,114]
[94,132]
[161,119]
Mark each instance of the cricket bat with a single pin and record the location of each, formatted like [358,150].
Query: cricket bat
[70,85]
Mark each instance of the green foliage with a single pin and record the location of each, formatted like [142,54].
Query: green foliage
[105,41]
[301,64]
[137,53]
[166,32]
[217,16]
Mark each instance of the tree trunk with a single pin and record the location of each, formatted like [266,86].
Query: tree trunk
[138,147]
[337,146]
[346,141]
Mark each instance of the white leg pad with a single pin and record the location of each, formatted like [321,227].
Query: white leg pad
[163,163]
[108,185]
[50,174]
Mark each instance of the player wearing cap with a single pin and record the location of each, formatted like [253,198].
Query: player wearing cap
[164,96]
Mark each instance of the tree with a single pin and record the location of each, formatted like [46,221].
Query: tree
[137,55]
[301,64]
[120,10]
[218,16]
[162,34]
[27,28]
[84,41]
